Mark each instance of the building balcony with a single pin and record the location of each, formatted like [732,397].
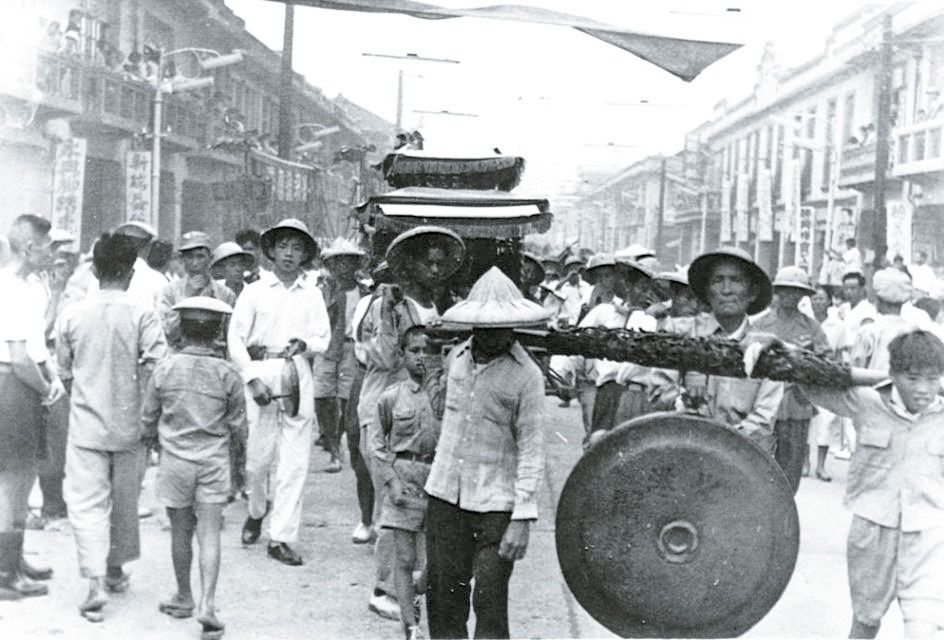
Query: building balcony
[118,105]
[918,152]
[46,85]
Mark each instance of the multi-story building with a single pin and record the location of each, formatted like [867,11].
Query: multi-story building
[77,101]
[798,155]
[793,164]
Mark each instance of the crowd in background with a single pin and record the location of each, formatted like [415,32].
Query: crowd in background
[263,339]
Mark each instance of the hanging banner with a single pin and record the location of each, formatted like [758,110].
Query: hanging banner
[791,197]
[138,187]
[765,211]
[725,210]
[741,229]
[845,222]
[68,185]
[899,230]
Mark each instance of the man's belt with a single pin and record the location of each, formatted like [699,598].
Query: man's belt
[262,353]
[415,457]
[635,386]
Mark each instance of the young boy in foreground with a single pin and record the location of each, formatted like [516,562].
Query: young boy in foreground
[403,448]
[196,405]
[896,488]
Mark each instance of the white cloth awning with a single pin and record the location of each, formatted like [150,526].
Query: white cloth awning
[455,211]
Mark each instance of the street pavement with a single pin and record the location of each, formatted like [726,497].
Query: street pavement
[259,598]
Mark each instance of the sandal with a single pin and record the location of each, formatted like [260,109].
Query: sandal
[212,628]
[174,609]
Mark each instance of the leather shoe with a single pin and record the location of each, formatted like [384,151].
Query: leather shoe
[252,529]
[33,572]
[20,586]
[284,554]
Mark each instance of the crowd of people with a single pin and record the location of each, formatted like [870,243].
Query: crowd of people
[221,361]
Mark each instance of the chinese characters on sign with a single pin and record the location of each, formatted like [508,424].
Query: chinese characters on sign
[804,236]
[68,185]
[290,182]
[899,229]
[138,187]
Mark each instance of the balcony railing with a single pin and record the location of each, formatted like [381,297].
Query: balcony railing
[49,80]
[125,102]
[918,148]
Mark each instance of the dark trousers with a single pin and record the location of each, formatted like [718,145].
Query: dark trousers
[52,470]
[606,405]
[462,545]
[791,448]
[365,488]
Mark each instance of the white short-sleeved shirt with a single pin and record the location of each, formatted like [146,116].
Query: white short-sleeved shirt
[23,319]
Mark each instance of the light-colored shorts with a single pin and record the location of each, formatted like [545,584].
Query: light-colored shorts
[825,429]
[334,378]
[181,483]
[412,515]
[885,564]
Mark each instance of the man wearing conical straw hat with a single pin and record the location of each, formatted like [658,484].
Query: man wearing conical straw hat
[489,462]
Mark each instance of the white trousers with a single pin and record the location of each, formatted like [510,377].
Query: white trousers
[101,491]
[277,456]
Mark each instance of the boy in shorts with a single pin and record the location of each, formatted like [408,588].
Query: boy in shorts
[403,448]
[896,487]
[196,405]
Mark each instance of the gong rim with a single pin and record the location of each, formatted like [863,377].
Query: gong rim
[647,511]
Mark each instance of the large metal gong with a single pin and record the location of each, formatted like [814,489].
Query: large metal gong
[675,526]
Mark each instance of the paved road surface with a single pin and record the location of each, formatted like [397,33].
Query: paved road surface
[260,599]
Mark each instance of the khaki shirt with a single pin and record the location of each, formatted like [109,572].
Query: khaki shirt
[896,477]
[746,405]
[407,422]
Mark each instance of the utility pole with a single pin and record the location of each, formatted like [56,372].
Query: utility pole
[285,84]
[399,100]
[882,126]
[661,220]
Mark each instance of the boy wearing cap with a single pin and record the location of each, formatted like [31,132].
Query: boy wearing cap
[896,487]
[489,462]
[276,320]
[229,264]
[785,321]
[107,346]
[409,414]
[870,344]
[195,405]
[197,281]
[334,370]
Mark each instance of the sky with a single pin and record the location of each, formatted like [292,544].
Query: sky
[541,91]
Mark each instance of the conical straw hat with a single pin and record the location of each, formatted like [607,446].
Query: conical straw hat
[495,302]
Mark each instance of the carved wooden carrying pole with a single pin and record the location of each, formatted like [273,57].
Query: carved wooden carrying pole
[710,355]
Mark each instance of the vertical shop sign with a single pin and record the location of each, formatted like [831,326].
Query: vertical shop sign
[68,185]
[138,187]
